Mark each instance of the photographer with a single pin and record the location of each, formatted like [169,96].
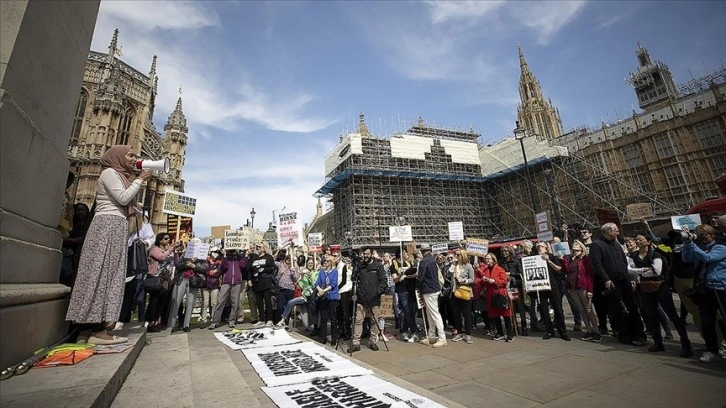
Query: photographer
[262,269]
[372,283]
[709,292]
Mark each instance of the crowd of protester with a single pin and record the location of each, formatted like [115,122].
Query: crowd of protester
[611,289]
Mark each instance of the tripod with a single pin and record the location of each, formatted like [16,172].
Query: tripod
[366,305]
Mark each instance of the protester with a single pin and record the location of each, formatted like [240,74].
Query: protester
[404,276]
[287,276]
[162,253]
[553,297]
[262,270]
[306,283]
[462,278]
[345,304]
[98,293]
[210,291]
[184,294]
[512,266]
[372,283]
[326,288]
[233,265]
[495,283]
[134,294]
[430,287]
[580,286]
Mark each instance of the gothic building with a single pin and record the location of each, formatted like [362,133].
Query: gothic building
[534,113]
[116,106]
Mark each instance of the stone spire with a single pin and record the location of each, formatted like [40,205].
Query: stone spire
[653,82]
[319,209]
[535,113]
[113,47]
[177,119]
[362,128]
[152,72]
[175,142]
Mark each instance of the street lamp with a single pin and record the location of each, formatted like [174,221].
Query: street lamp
[252,215]
[519,134]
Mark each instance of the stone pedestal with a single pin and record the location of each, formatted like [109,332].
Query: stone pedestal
[43,50]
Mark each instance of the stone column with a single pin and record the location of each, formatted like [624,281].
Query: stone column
[43,50]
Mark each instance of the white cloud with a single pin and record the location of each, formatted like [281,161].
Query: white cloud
[167,15]
[548,18]
[442,11]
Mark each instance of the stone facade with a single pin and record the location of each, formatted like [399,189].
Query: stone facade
[43,48]
[116,106]
[534,113]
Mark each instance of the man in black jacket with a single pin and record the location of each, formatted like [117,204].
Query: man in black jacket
[611,267]
[372,283]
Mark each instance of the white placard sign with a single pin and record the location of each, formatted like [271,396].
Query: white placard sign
[536,275]
[545,236]
[439,248]
[196,250]
[362,391]
[315,241]
[302,362]
[400,233]
[289,228]
[692,220]
[244,339]
[561,248]
[236,239]
[456,231]
[477,247]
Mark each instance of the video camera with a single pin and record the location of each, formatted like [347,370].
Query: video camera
[683,235]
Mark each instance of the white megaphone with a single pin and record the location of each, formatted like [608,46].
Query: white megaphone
[159,165]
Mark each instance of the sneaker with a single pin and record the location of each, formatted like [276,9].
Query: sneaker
[709,357]
[258,325]
[212,326]
[547,336]
[269,324]
[118,326]
[586,337]
[425,342]
[281,323]
[454,332]
[440,343]
[468,339]
[353,348]
[509,339]
[668,336]
[230,325]
[373,346]
[565,337]
[577,328]
[458,337]
[405,337]
[498,337]
[413,338]
[596,338]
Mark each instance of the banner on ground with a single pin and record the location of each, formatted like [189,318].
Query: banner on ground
[477,247]
[236,239]
[256,338]
[692,220]
[198,250]
[536,275]
[297,363]
[361,391]
[638,211]
[315,241]
[289,228]
[400,233]
[179,203]
[456,231]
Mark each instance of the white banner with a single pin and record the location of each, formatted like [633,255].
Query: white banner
[289,228]
[236,239]
[439,248]
[456,231]
[400,233]
[315,241]
[245,339]
[363,391]
[545,236]
[536,275]
[303,362]
[196,250]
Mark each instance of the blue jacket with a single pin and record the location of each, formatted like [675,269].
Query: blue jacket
[713,255]
[332,280]
[428,275]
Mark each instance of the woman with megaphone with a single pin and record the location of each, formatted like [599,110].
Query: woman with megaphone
[98,293]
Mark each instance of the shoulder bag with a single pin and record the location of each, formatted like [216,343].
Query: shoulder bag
[137,257]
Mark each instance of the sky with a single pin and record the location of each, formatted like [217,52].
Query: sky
[269,87]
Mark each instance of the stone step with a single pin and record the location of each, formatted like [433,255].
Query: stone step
[91,383]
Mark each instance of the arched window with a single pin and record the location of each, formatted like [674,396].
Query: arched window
[124,126]
[78,119]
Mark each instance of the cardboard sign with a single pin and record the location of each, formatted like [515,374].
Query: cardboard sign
[386,308]
[315,241]
[218,231]
[439,248]
[236,239]
[181,227]
[692,220]
[400,233]
[179,203]
[638,211]
[477,247]
[289,228]
[456,231]
[604,216]
[197,250]
[536,274]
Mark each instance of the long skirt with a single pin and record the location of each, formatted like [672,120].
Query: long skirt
[98,293]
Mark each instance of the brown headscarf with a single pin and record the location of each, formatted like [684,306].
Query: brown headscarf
[115,158]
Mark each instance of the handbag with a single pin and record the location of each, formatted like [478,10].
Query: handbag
[500,301]
[275,288]
[197,281]
[650,286]
[152,284]
[138,258]
[463,292]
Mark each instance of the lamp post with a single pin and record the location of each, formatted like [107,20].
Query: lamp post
[520,134]
[252,215]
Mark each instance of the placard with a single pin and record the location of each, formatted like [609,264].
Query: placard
[353,392]
[218,231]
[196,250]
[439,248]
[536,274]
[604,216]
[244,339]
[692,220]
[289,228]
[561,249]
[315,241]
[302,362]
[420,302]
[400,233]
[545,236]
[179,203]
[386,308]
[477,247]
[456,231]
[638,211]
[181,227]
[539,218]
[236,239]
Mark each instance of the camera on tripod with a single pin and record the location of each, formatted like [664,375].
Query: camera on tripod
[683,235]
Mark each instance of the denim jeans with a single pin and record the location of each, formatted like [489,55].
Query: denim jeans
[290,304]
[407,303]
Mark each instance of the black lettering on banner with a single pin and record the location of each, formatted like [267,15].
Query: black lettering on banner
[311,398]
[291,362]
[351,396]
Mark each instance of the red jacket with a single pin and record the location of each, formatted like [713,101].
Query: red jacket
[579,273]
[499,286]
